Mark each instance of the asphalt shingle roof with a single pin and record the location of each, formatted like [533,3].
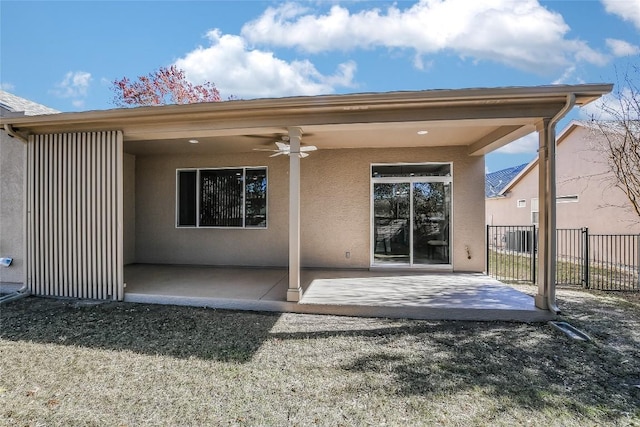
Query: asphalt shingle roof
[15,104]
[495,181]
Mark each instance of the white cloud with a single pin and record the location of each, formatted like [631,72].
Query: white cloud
[622,48]
[628,10]
[242,72]
[568,76]
[525,145]
[521,34]
[74,85]
[613,106]
[6,86]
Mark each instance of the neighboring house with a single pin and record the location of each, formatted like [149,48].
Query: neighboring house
[12,182]
[396,182]
[496,181]
[585,189]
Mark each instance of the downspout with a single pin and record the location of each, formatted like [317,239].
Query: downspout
[13,134]
[551,155]
[24,290]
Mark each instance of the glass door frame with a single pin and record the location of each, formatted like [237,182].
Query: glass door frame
[411,180]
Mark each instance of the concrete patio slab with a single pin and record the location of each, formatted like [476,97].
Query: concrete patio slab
[205,282]
[386,293]
[432,290]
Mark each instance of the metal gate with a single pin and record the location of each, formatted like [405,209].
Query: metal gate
[596,261]
[511,253]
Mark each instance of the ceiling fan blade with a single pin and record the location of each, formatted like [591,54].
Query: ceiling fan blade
[282,146]
[267,137]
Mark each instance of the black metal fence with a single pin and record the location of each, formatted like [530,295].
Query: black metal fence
[511,252]
[596,261]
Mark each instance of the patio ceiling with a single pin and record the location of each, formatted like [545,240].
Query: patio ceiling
[356,135]
[482,119]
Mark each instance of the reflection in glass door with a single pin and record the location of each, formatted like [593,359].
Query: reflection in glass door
[411,214]
[391,212]
[431,215]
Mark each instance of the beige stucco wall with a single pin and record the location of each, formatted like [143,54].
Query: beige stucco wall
[11,207]
[159,241]
[581,170]
[504,210]
[129,208]
[335,209]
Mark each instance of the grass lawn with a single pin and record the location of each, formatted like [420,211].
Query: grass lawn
[515,266]
[71,363]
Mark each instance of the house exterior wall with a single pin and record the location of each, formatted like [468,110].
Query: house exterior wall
[12,155]
[335,209]
[581,170]
[129,208]
[159,241]
[504,210]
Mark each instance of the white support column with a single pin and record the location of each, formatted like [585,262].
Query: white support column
[546,215]
[294,292]
[552,205]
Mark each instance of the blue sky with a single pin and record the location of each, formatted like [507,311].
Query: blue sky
[65,54]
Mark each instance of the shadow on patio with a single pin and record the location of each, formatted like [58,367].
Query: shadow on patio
[368,293]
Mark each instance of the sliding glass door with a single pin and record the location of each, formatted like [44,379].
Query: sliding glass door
[431,217]
[411,210]
[392,210]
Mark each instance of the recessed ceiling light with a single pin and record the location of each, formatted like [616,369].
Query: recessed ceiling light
[423,132]
[193,141]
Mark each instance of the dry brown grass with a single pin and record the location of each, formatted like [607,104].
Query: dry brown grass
[68,363]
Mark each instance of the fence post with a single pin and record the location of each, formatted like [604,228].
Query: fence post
[487,249]
[585,258]
[534,245]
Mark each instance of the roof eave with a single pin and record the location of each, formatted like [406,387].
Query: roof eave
[322,103]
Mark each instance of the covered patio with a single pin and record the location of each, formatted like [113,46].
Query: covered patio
[370,293]
[115,202]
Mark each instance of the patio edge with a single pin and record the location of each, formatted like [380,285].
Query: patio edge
[417,313]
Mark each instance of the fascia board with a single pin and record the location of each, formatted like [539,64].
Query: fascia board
[323,104]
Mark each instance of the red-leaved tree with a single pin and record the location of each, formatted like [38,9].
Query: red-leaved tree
[161,87]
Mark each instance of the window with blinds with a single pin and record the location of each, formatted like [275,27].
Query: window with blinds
[228,198]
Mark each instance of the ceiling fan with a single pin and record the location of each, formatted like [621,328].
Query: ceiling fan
[284,148]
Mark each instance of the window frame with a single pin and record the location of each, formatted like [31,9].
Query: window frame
[411,179]
[198,197]
[570,198]
[535,209]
